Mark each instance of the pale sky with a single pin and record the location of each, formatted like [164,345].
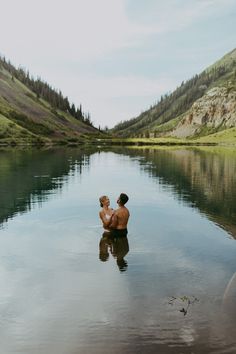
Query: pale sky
[116,57]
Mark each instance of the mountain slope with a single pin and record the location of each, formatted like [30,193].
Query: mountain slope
[176,110]
[213,112]
[26,116]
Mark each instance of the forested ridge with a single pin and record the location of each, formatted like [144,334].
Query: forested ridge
[173,105]
[43,90]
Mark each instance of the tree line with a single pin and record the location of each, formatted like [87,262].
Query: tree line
[43,90]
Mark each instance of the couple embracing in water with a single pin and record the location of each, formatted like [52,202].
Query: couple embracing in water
[115,221]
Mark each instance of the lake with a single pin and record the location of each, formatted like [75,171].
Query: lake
[169,287]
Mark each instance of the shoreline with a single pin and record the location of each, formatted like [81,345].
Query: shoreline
[113,141]
[124,144]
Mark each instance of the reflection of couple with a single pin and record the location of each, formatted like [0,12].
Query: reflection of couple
[117,246]
[114,221]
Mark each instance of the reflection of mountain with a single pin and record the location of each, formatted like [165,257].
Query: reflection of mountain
[204,178]
[30,176]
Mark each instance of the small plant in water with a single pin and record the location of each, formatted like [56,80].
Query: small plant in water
[183,301]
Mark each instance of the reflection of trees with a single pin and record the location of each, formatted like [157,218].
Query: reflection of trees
[204,178]
[29,176]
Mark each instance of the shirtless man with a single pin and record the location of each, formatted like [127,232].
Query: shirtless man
[120,217]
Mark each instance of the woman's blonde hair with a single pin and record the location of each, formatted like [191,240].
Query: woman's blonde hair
[101,199]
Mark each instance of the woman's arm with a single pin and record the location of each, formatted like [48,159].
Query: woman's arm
[114,221]
[105,222]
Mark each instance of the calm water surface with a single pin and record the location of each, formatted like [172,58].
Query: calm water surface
[170,287]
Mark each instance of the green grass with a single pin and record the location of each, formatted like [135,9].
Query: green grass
[10,129]
[224,137]
[147,141]
[227,136]
[166,127]
[13,134]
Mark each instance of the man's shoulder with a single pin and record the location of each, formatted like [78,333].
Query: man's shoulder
[117,212]
[121,211]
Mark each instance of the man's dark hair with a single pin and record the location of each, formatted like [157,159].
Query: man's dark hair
[123,198]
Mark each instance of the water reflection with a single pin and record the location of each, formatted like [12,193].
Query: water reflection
[204,178]
[118,247]
[105,247]
[30,177]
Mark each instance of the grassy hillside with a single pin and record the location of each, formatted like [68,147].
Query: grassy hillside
[224,137]
[227,137]
[164,116]
[27,117]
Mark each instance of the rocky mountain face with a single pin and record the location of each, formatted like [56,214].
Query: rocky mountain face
[215,110]
[203,105]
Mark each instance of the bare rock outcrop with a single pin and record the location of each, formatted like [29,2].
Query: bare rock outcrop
[215,109]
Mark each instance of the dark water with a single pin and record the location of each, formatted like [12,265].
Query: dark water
[170,287]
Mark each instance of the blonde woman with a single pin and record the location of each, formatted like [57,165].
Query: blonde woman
[106,212]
